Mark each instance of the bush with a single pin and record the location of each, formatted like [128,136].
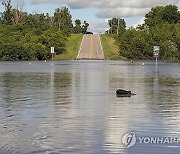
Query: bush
[41,52]
[17,43]
[53,38]
[135,44]
[11,52]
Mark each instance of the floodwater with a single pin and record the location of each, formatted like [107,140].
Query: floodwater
[71,107]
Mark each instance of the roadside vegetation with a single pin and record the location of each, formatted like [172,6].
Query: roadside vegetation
[26,36]
[161,28]
[110,47]
[72,47]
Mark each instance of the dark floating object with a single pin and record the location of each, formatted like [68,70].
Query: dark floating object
[123,93]
[88,32]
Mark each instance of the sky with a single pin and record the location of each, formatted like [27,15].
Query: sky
[96,12]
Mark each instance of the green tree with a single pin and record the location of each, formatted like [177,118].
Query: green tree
[77,27]
[176,36]
[7,15]
[165,36]
[160,14]
[53,38]
[85,27]
[30,21]
[135,44]
[117,26]
[30,36]
[49,20]
[171,14]
[63,19]
[15,51]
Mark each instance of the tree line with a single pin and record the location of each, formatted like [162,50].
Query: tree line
[161,28]
[25,36]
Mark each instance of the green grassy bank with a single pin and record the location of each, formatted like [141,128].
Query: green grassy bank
[72,47]
[110,47]
[73,43]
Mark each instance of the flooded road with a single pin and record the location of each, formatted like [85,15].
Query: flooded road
[71,106]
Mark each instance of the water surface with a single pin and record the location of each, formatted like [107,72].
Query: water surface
[71,106]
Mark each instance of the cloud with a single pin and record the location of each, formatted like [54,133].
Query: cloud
[121,12]
[98,27]
[140,22]
[111,8]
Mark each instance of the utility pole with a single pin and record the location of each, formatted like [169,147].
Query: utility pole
[111,26]
[118,27]
[59,25]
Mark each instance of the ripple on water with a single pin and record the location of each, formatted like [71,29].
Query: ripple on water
[71,106]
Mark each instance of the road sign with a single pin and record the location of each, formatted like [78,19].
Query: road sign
[52,50]
[156,51]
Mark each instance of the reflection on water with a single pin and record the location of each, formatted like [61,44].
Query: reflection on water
[71,106]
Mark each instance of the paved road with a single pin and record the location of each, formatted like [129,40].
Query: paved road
[91,48]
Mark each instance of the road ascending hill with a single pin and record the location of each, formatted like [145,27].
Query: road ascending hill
[91,48]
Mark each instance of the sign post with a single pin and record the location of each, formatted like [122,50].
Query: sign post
[52,52]
[156,53]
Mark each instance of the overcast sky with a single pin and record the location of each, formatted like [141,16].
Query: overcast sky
[97,12]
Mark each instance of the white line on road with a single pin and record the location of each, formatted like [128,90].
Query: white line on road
[101,46]
[80,47]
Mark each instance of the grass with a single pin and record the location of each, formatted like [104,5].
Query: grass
[110,47]
[73,43]
[72,47]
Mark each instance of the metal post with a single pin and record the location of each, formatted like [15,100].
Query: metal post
[59,25]
[52,56]
[118,27]
[156,61]
[111,26]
